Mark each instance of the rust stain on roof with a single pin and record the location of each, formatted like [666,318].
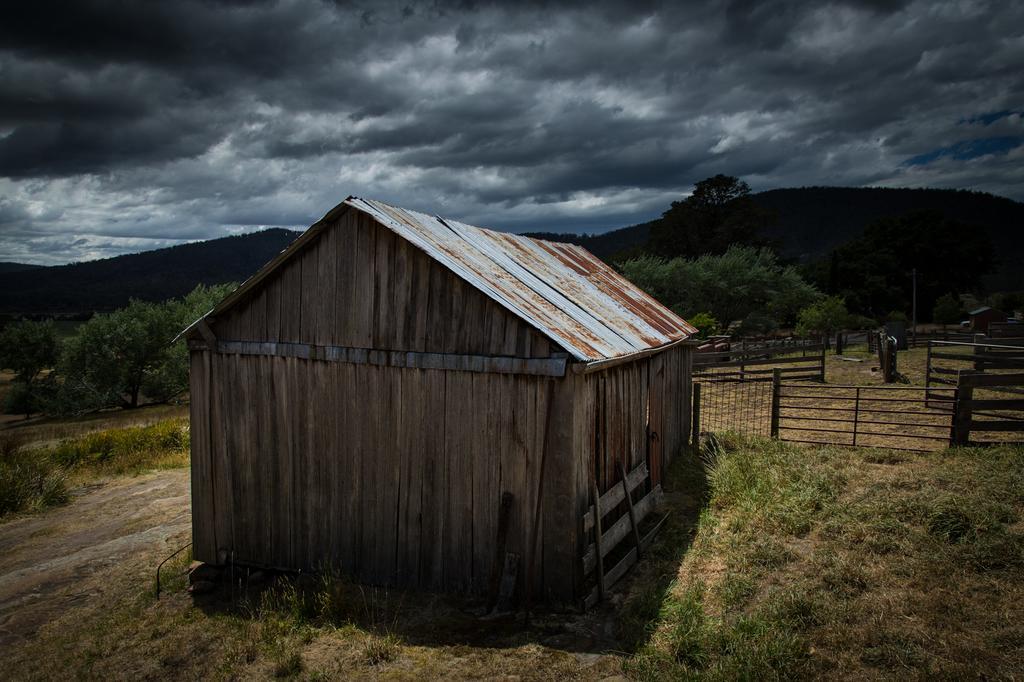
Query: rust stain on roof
[562,290]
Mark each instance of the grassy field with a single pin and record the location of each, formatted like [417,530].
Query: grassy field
[35,475]
[778,562]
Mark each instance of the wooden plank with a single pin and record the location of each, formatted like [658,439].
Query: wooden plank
[554,367]
[201,462]
[767,361]
[599,551]
[621,567]
[361,321]
[632,511]
[518,461]
[615,495]
[619,530]
[351,458]
[602,365]
[978,425]
[326,286]
[702,357]
[558,540]
[221,397]
[483,500]
[459,417]
[995,404]
[384,314]
[345,279]
[412,449]
[419,299]
[982,380]
[389,472]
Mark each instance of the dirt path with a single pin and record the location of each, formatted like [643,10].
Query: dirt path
[65,557]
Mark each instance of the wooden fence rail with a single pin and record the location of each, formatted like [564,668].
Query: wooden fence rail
[608,538]
[995,409]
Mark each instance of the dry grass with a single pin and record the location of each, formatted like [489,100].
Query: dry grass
[33,477]
[777,562]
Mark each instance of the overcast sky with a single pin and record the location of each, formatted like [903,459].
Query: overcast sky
[127,126]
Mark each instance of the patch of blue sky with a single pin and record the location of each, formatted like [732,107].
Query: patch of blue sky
[968,149]
[989,118]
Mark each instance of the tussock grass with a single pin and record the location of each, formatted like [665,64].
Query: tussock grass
[33,478]
[810,563]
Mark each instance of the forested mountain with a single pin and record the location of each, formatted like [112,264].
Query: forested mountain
[814,220]
[811,222]
[7,266]
[157,275]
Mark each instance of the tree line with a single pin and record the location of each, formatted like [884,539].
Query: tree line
[707,258]
[118,359]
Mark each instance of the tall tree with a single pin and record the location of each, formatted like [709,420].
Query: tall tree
[118,358]
[872,273]
[27,349]
[719,213]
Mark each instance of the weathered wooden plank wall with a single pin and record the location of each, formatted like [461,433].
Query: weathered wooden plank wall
[614,414]
[395,475]
[359,285]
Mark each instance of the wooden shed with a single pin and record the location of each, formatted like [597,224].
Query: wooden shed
[422,403]
[982,317]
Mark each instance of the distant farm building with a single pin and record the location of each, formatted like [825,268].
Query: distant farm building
[982,317]
[428,404]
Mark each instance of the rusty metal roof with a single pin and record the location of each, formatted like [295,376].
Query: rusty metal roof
[562,290]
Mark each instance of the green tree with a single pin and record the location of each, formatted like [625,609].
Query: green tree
[27,349]
[825,317]
[720,212]
[745,285]
[947,309]
[705,323]
[117,358]
[872,273]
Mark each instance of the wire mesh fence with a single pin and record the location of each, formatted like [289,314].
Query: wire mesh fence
[727,404]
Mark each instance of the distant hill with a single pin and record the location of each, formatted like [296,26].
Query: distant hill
[7,266]
[107,284]
[815,220]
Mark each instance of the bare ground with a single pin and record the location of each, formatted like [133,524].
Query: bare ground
[84,551]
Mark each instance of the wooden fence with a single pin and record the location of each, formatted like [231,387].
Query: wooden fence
[805,362]
[621,541]
[981,408]
[978,407]
[1006,330]
[946,360]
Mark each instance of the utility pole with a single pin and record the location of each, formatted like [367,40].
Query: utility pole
[913,313]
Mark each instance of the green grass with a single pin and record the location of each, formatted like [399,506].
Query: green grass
[34,478]
[809,563]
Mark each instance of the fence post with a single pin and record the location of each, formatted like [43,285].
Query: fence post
[977,350]
[856,415]
[962,414]
[695,418]
[821,359]
[928,375]
[776,391]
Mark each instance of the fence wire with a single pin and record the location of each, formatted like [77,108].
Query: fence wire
[743,407]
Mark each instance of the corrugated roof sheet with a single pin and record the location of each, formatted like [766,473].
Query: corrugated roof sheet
[562,290]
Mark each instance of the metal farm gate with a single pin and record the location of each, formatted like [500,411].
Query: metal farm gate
[899,417]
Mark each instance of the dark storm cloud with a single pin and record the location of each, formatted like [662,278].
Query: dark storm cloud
[138,124]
